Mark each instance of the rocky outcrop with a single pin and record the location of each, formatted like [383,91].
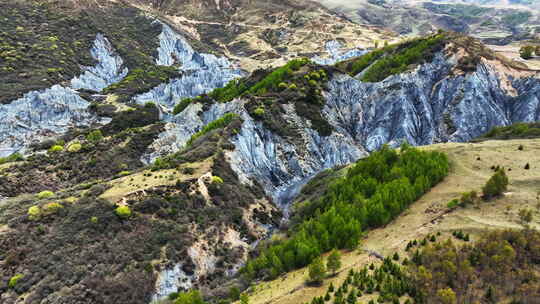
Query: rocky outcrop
[201,72]
[43,114]
[431,104]
[40,115]
[336,53]
[108,70]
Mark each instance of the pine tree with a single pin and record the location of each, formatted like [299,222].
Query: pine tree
[317,271]
[334,261]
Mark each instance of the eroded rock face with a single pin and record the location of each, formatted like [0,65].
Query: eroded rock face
[430,104]
[108,70]
[39,115]
[51,112]
[201,72]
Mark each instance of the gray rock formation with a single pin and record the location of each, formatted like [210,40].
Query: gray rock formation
[107,71]
[48,113]
[336,53]
[40,115]
[430,105]
[201,72]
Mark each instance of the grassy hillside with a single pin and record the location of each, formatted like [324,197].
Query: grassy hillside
[471,168]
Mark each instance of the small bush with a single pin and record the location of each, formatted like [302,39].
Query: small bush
[94,220]
[452,204]
[94,136]
[293,86]
[45,194]
[526,52]
[468,198]
[217,180]
[282,86]
[259,112]
[14,279]
[496,185]
[56,149]
[123,212]
[34,213]
[52,208]
[74,147]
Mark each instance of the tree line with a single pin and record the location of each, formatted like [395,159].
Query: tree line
[373,192]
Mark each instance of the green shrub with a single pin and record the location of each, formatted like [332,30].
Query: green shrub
[283,85]
[34,213]
[51,208]
[293,86]
[190,297]
[468,198]
[453,204]
[259,112]
[94,220]
[182,105]
[217,180]
[94,136]
[123,212]
[74,147]
[317,271]
[496,185]
[56,149]
[45,194]
[12,158]
[14,279]
[124,173]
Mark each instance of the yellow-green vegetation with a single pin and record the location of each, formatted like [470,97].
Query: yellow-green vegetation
[94,220]
[124,173]
[273,81]
[56,149]
[45,194]
[217,180]
[34,213]
[51,208]
[123,211]
[259,111]
[15,157]
[14,279]
[189,297]
[94,136]
[74,147]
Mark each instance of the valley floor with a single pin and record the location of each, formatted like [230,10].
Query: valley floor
[471,168]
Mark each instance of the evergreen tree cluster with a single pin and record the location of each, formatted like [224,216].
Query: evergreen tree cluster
[389,281]
[374,191]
